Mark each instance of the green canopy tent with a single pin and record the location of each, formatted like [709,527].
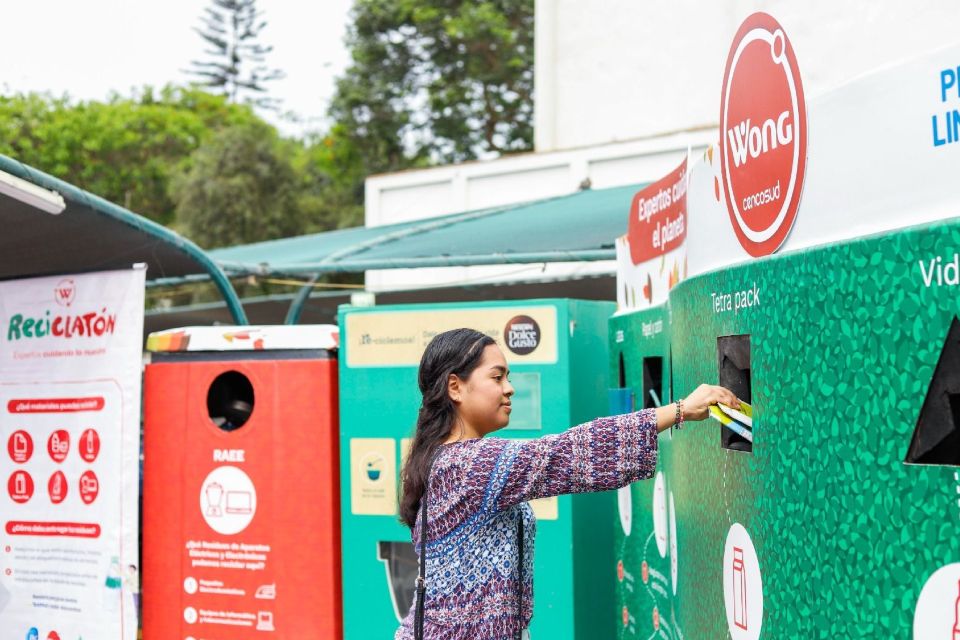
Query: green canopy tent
[52,227]
[578,227]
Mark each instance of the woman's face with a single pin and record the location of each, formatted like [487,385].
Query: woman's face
[483,399]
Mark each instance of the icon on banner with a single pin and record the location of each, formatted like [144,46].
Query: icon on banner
[57,487]
[266,592]
[89,487]
[265,621]
[190,585]
[214,493]
[20,446]
[53,635]
[190,615]
[58,445]
[20,486]
[89,445]
[33,634]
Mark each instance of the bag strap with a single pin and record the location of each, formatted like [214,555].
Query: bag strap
[519,633]
[422,561]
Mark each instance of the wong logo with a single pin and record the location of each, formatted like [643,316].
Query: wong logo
[65,292]
[763,135]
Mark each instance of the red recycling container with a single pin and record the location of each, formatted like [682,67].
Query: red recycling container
[241,508]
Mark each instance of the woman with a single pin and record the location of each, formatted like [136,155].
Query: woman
[478,519]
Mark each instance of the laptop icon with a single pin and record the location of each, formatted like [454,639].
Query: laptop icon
[239,502]
[265,621]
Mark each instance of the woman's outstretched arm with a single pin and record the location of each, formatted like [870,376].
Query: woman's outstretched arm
[606,453]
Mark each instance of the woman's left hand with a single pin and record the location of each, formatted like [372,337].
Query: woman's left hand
[697,405]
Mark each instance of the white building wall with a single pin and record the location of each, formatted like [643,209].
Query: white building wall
[624,69]
[413,195]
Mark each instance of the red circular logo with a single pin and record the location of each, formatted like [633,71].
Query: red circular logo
[89,487]
[20,446]
[58,445]
[65,292]
[89,445]
[57,487]
[763,135]
[20,486]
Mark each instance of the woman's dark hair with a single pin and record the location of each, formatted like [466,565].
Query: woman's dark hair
[452,352]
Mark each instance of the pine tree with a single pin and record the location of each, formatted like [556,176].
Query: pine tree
[238,66]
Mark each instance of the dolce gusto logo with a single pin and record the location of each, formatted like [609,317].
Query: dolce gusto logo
[763,141]
[522,335]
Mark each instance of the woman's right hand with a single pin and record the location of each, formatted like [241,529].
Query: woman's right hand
[696,406]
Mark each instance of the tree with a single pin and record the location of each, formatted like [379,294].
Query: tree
[241,187]
[441,80]
[231,29]
[125,149]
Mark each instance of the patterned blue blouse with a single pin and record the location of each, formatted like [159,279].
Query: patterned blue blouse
[478,490]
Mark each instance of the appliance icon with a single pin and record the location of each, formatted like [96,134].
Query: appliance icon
[239,502]
[20,484]
[739,589]
[214,493]
[266,592]
[265,621]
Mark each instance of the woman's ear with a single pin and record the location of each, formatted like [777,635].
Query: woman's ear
[454,387]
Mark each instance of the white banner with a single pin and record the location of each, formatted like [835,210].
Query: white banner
[70,374]
[652,255]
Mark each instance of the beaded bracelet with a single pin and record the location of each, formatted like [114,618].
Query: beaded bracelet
[678,421]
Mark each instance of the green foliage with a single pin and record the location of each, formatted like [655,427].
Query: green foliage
[241,187]
[431,81]
[237,61]
[124,150]
[438,80]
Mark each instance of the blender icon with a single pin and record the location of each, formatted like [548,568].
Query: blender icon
[214,493]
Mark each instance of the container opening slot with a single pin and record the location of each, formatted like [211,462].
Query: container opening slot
[652,382]
[402,571]
[733,363]
[936,438]
[230,400]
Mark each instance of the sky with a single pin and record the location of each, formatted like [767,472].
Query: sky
[90,48]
